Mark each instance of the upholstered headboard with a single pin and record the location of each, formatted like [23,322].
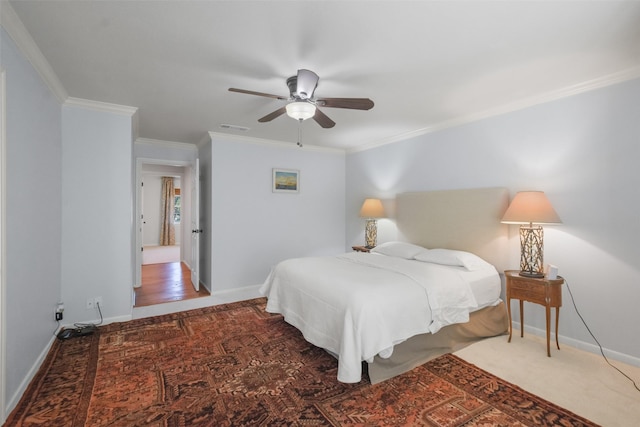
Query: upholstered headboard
[467,220]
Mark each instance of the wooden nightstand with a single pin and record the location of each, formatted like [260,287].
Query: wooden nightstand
[361,248]
[543,291]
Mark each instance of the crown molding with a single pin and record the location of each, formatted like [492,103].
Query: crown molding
[166,144]
[18,32]
[272,143]
[103,107]
[589,85]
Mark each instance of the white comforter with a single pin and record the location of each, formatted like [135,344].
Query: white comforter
[359,305]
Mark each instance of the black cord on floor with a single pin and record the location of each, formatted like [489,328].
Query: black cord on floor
[596,340]
[85,325]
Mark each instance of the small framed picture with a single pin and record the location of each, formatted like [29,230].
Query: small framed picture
[286,180]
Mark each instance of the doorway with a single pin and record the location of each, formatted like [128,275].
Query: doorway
[162,229]
[164,265]
[166,282]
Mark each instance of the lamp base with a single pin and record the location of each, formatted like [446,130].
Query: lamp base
[371,233]
[534,274]
[531,249]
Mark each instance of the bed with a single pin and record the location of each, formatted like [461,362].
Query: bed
[434,291]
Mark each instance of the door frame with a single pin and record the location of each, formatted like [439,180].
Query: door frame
[194,177]
[3,205]
[140,161]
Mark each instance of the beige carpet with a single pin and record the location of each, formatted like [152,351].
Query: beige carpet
[577,380]
[160,254]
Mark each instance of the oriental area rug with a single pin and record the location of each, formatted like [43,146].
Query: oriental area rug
[236,365]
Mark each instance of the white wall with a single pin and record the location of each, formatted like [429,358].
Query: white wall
[253,228]
[583,152]
[165,150]
[33,217]
[97,213]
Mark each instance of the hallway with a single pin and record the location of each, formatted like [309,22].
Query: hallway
[167,282]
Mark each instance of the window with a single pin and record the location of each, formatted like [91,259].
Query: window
[177,206]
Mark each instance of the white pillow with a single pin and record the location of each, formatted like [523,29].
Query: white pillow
[468,260]
[399,249]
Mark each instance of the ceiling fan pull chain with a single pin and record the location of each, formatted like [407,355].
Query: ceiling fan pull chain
[299,133]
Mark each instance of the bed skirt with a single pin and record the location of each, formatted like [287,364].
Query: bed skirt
[417,350]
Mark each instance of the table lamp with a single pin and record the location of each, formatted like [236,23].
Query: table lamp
[371,210]
[529,208]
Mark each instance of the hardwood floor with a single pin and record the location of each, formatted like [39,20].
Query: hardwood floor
[166,283]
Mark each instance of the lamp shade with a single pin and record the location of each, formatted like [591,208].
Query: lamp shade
[372,208]
[530,207]
[301,110]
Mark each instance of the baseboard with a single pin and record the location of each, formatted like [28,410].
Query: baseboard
[240,294]
[105,321]
[216,298]
[581,345]
[15,399]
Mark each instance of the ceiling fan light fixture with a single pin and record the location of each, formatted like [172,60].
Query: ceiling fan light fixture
[302,104]
[301,110]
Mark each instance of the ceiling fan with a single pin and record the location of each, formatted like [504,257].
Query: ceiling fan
[302,104]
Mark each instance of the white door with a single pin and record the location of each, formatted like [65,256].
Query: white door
[195,225]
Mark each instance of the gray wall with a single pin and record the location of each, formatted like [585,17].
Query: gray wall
[583,152]
[97,213]
[33,216]
[252,228]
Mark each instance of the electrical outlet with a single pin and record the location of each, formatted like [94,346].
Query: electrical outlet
[59,311]
[93,303]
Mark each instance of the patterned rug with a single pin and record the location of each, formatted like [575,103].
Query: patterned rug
[236,365]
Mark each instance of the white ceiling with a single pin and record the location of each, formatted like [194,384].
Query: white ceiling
[425,64]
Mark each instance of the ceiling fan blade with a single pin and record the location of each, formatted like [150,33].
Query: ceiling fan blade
[271,116]
[251,92]
[307,82]
[352,103]
[323,120]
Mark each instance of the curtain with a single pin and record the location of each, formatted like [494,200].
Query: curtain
[167,230]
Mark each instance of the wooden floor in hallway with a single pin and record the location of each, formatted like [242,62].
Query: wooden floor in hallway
[166,282]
